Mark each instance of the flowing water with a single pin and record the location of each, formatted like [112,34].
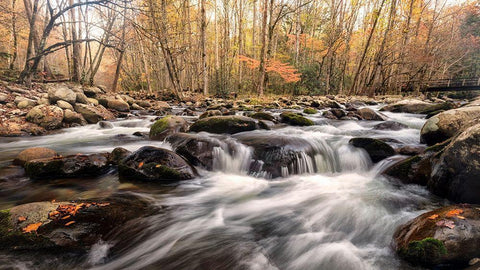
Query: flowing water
[331,210]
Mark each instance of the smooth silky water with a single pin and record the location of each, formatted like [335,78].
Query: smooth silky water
[333,210]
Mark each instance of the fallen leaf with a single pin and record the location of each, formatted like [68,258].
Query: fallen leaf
[66,217]
[454,212]
[432,217]
[158,166]
[461,217]
[446,223]
[140,165]
[32,227]
[69,223]
[21,219]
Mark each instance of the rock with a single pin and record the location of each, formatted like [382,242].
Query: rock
[338,113]
[43,101]
[277,155]
[198,150]
[166,126]
[105,125]
[369,114]
[329,115]
[224,124]
[16,127]
[127,99]
[64,105]
[210,113]
[449,236]
[295,119]
[413,170]
[58,92]
[48,117]
[118,105]
[456,176]
[390,125]
[309,111]
[3,98]
[376,149]
[136,107]
[93,114]
[410,150]
[447,124]
[117,155]
[143,103]
[82,98]
[263,116]
[415,106]
[92,91]
[67,167]
[154,164]
[68,227]
[71,117]
[33,153]
[93,101]
[26,104]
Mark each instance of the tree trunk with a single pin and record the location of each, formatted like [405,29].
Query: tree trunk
[263,40]
[203,45]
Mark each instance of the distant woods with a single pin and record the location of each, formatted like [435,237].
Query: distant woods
[254,47]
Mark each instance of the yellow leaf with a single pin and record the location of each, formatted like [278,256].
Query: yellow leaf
[454,212]
[432,217]
[69,223]
[21,219]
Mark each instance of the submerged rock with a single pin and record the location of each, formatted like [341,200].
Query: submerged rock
[210,113]
[310,111]
[263,116]
[34,153]
[390,125]
[67,167]
[166,126]
[295,119]
[447,124]
[449,236]
[224,124]
[48,117]
[376,149]
[155,165]
[456,175]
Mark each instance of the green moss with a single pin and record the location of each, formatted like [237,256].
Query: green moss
[295,119]
[402,169]
[224,124]
[438,147]
[424,252]
[160,126]
[310,111]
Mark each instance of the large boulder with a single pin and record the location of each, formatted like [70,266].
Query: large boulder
[118,105]
[210,113]
[224,124]
[166,126]
[94,114]
[449,236]
[376,149]
[413,170]
[154,164]
[295,119]
[34,153]
[456,175]
[197,149]
[278,155]
[71,117]
[58,92]
[416,106]
[263,116]
[447,124]
[48,117]
[369,114]
[67,167]
[66,227]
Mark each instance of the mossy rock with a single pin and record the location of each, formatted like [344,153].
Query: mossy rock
[295,119]
[210,113]
[263,116]
[224,124]
[448,236]
[310,111]
[166,126]
[376,149]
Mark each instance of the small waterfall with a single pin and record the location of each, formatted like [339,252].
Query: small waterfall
[232,157]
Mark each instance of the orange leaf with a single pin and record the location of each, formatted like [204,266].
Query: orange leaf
[454,212]
[69,223]
[461,217]
[432,217]
[32,227]
[158,166]
[140,165]
[66,217]
[21,219]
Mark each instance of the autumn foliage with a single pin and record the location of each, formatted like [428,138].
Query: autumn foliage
[288,73]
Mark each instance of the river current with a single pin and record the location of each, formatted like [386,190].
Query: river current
[334,210]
